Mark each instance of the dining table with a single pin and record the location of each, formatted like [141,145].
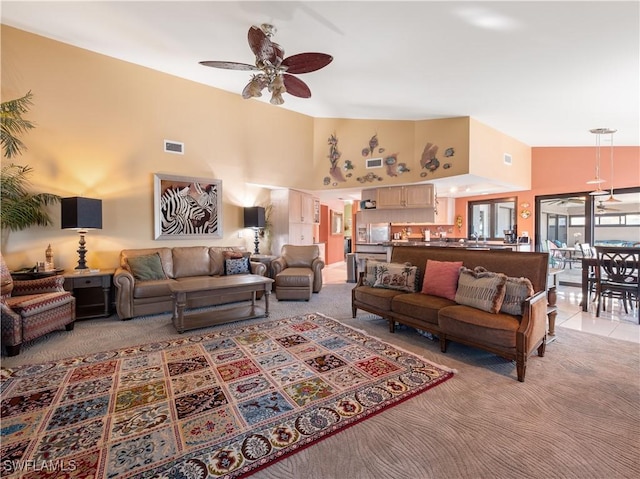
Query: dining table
[588,266]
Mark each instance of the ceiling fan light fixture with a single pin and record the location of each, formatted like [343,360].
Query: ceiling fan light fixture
[611,199]
[271,64]
[254,87]
[277,88]
[599,192]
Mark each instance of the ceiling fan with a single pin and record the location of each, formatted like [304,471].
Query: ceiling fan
[567,201]
[602,208]
[275,72]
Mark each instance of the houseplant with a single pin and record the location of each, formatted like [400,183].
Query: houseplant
[19,207]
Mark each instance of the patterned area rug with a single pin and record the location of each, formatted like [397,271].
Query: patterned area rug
[202,406]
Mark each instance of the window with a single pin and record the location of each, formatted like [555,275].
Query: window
[490,218]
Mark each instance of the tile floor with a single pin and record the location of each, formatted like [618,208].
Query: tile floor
[614,324]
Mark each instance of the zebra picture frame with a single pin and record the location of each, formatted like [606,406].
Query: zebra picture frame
[187,207]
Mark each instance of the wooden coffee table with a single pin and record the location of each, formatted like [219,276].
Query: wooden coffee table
[219,286]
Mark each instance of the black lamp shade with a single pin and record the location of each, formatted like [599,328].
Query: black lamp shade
[81,213]
[254,217]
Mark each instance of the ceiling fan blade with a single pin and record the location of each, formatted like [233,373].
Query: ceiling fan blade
[260,45]
[229,65]
[296,87]
[306,62]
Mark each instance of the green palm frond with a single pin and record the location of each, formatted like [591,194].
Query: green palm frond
[12,124]
[19,208]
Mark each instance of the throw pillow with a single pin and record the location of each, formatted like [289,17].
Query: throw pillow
[370,272]
[482,290]
[237,266]
[441,278]
[236,254]
[396,276]
[146,267]
[517,290]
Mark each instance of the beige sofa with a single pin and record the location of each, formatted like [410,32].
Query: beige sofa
[513,337]
[137,298]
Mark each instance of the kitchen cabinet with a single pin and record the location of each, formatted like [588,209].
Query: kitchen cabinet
[293,219]
[410,196]
[302,208]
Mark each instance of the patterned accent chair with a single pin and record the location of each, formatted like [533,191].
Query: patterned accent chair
[33,308]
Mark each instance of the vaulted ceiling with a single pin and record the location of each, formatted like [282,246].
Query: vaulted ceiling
[542,72]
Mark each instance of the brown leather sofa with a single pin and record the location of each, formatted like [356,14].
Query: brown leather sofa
[512,337]
[137,298]
[298,272]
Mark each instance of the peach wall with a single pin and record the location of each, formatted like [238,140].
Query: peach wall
[487,149]
[395,137]
[447,134]
[566,170]
[100,128]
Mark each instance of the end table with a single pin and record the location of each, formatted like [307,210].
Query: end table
[89,305]
[266,260]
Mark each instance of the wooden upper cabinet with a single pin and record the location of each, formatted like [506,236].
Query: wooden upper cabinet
[307,216]
[411,196]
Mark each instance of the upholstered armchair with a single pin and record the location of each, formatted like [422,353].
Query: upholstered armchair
[33,308]
[297,272]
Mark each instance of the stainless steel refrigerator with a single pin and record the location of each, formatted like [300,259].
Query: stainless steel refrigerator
[373,233]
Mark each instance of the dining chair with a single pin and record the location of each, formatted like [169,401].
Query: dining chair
[617,276]
[587,252]
[556,257]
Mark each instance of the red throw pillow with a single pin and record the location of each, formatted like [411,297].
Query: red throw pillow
[441,278]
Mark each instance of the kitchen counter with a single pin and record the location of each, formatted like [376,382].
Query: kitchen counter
[455,244]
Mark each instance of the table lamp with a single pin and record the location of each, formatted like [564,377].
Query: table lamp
[81,214]
[254,218]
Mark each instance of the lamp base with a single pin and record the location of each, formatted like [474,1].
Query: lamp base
[256,241]
[82,251]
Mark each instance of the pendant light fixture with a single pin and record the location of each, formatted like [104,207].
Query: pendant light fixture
[611,199]
[598,180]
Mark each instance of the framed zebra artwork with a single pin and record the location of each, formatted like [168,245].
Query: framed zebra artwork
[187,207]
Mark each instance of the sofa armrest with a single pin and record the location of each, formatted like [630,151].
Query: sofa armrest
[258,268]
[124,283]
[533,327]
[52,284]
[277,265]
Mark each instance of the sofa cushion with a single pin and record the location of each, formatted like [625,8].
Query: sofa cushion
[152,288]
[237,265]
[146,267]
[483,290]
[191,261]
[419,305]
[441,278]
[517,291]
[479,327]
[377,298]
[396,276]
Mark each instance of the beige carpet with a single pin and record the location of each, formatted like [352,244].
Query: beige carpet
[576,416]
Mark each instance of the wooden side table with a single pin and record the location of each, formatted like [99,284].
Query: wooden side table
[82,285]
[266,260]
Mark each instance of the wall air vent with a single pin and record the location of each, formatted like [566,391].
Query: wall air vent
[374,163]
[173,147]
[507,159]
